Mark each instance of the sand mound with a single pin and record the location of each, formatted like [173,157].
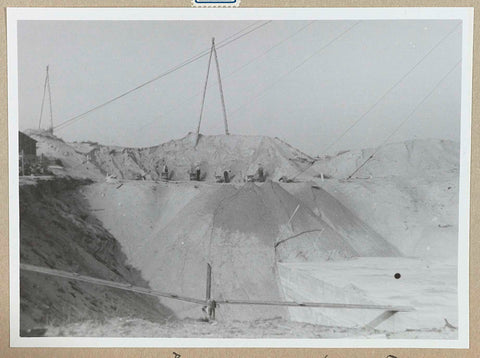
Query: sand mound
[408,193]
[417,215]
[241,231]
[214,154]
[75,161]
[413,158]
[58,231]
[362,238]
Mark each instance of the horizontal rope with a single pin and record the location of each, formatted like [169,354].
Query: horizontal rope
[147,291]
[97,281]
[319,305]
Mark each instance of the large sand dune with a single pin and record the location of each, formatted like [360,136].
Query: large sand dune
[413,158]
[235,229]
[403,202]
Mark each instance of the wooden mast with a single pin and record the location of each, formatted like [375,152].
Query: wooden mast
[221,88]
[213,51]
[46,88]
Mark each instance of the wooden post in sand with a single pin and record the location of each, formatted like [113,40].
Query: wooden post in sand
[209,282]
[211,304]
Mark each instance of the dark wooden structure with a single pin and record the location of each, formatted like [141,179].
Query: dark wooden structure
[27,154]
[27,145]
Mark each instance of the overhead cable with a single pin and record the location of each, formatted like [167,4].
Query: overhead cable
[429,94]
[233,72]
[194,58]
[337,139]
[262,92]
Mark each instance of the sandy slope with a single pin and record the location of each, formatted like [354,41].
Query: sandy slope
[214,154]
[234,228]
[261,328]
[403,202]
[74,160]
[408,193]
[428,286]
[413,158]
[357,233]
[58,231]
[418,215]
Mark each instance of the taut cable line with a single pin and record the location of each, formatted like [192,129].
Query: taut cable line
[211,304]
[382,97]
[194,58]
[429,94]
[263,91]
[238,69]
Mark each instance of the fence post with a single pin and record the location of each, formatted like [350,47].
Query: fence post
[211,304]
[209,282]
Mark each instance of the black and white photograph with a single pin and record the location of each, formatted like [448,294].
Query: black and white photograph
[240,177]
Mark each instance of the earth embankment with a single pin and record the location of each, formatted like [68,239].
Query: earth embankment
[58,230]
[170,232]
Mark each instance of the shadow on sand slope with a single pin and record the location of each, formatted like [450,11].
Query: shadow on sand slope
[57,231]
[235,229]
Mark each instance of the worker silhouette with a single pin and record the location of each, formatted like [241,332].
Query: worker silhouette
[164,175]
[197,172]
[260,173]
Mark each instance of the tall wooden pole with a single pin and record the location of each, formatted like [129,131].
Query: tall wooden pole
[213,51]
[50,101]
[43,99]
[204,94]
[209,282]
[221,88]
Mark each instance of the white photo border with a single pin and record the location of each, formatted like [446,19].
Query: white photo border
[161,14]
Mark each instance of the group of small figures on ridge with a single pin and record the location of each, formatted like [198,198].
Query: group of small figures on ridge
[196,174]
[221,176]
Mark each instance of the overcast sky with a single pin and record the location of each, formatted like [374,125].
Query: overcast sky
[295,91]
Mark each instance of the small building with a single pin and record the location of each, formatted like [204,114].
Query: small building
[27,154]
[27,146]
